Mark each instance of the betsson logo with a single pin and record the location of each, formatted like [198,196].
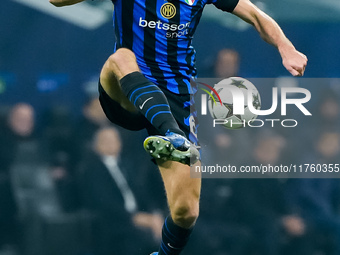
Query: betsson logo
[175,30]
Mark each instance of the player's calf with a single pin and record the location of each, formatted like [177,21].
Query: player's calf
[183,194]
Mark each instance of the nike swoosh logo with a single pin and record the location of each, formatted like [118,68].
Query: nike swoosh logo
[141,106]
[173,247]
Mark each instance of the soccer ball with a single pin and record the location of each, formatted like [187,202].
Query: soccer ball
[238,89]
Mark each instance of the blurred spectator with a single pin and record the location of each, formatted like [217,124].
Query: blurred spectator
[3,117]
[91,120]
[221,141]
[58,138]
[269,148]
[17,147]
[328,147]
[326,116]
[21,120]
[324,149]
[57,135]
[261,202]
[107,194]
[225,65]
[291,216]
[27,155]
[316,204]
[67,144]
[141,172]
[328,110]
[218,226]
[25,161]
[317,201]
[224,146]
[218,213]
[8,205]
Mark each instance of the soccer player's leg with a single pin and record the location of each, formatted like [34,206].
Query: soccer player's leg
[150,101]
[183,194]
[182,190]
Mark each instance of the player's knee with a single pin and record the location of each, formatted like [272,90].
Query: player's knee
[185,213]
[121,56]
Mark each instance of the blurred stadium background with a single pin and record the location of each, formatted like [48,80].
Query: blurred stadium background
[50,59]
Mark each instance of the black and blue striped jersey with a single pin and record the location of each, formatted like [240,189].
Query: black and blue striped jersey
[160,33]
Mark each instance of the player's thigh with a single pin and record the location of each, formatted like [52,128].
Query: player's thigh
[111,85]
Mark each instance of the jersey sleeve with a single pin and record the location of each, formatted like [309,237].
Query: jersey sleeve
[225,5]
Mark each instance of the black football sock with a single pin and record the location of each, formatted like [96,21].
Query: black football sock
[174,238]
[150,101]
